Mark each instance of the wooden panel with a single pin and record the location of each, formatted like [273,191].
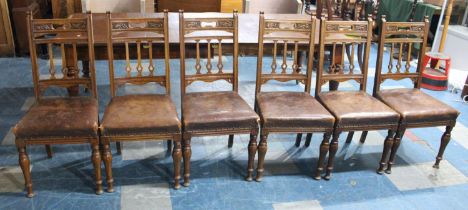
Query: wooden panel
[64,8]
[6,37]
[230,5]
[190,5]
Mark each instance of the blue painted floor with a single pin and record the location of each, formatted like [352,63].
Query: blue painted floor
[143,172]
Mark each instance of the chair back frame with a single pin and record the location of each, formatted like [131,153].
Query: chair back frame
[189,32]
[66,33]
[293,32]
[139,31]
[391,33]
[344,33]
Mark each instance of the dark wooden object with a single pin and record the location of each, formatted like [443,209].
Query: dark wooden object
[416,108]
[142,32]
[42,31]
[204,32]
[289,112]
[370,114]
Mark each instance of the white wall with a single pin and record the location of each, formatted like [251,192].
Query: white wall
[456,46]
[118,5]
[272,6]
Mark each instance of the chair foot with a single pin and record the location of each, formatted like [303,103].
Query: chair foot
[298,140]
[230,141]
[327,177]
[249,178]
[388,171]
[30,195]
[186,184]
[380,171]
[308,140]
[110,188]
[49,151]
[99,192]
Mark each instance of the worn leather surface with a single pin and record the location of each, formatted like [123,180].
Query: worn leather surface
[217,111]
[60,118]
[417,107]
[293,110]
[140,115]
[358,109]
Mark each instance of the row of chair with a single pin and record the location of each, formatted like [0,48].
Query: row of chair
[133,117]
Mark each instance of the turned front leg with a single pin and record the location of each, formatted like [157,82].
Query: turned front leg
[25,167]
[331,158]
[443,144]
[107,156]
[388,143]
[396,145]
[176,159]
[252,147]
[187,154]
[96,159]
[262,149]
[324,147]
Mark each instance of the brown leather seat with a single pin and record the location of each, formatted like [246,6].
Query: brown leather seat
[295,110]
[59,118]
[211,111]
[416,107]
[358,109]
[140,115]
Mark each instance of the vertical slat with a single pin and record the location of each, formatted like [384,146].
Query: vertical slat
[408,59]
[51,61]
[258,83]
[390,62]
[128,68]
[273,63]
[343,53]
[332,64]
[351,62]
[76,72]
[220,57]
[197,65]
[208,61]
[64,61]
[295,65]
[150,58]
[400,57]
[139,67]
[285,53]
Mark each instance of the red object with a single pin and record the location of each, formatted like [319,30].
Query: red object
[432,78]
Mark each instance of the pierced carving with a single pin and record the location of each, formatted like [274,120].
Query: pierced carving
[360,28]
[350,28]
[302,26]
[393,28]
[44,27]
[225,23]
[192,24]
[333,27]
[154,25]
[124,25]
[272,25]
[78,25]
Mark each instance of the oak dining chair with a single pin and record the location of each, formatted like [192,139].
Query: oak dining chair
[142,116]
[416,108]
[207,113]
[60,120]
[353,110]
[282,111]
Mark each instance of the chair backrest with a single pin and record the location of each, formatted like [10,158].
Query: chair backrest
[404,35]
[204,30]
[288,34]
[144,33]
[343,34]
[346,9]
[66,34]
